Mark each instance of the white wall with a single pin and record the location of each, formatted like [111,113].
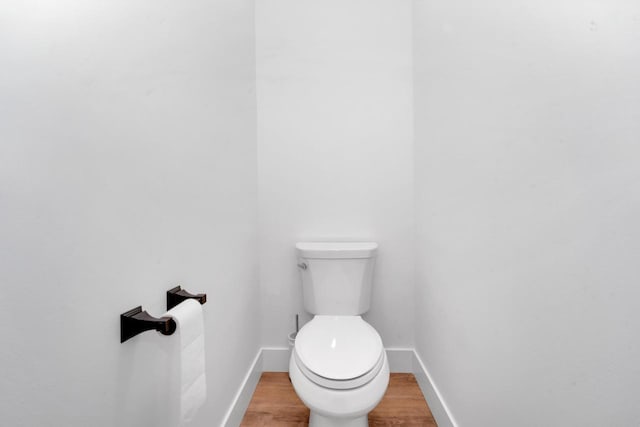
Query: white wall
[127,165]
[527,123]
[335,149]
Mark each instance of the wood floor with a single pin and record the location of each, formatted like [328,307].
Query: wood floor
[275,404]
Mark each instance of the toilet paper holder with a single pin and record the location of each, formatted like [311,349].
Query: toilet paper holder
[137,320]
[176,295]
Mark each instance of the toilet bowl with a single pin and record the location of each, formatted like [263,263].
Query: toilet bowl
[339,370]
[338,366]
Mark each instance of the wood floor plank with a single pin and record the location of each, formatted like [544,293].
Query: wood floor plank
[275,404]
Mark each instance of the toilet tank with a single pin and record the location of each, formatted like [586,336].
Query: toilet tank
[336,276]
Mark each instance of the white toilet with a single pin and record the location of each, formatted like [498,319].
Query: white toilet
[338,367]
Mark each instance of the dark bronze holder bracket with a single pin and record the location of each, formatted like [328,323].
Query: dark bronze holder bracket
[176,295]
[136,321]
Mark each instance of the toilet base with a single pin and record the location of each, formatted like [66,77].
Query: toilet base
[317,420]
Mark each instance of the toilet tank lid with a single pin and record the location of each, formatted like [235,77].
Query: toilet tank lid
[336,250]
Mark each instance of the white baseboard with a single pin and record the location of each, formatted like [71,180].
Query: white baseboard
[400,360]
[432,395]
[240,402]
[276,359]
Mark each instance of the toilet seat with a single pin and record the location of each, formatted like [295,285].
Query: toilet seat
[340,384]
[339,352]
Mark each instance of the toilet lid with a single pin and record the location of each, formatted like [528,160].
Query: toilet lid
[338,347]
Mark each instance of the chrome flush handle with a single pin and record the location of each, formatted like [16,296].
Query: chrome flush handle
[302,266]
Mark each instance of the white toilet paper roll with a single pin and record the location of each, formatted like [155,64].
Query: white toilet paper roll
[190,333]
